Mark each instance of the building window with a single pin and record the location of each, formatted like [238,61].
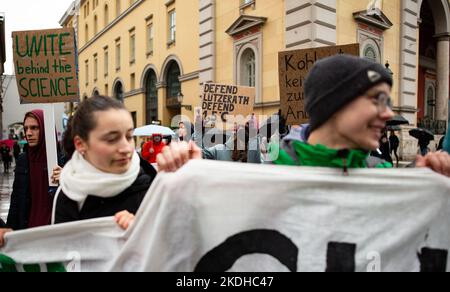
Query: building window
[247,60]
[118,9]
[133,81]
[86,33]
[248,68]
[173,82]
[371,53]
[371,46]
[95,25]
[172,27]
[106,90]
[86,68]
[106,61]
[151,98]
[150,38]
[106,16]
[118,91]
[132,46]
[118,55]
[95,68]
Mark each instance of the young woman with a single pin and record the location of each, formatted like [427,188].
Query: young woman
[105,176]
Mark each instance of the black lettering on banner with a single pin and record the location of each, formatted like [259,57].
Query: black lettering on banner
[271,242]
[433,260]
[341,257]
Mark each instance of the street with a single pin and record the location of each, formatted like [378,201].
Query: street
[6,182]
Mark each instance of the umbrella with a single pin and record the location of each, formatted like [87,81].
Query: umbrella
[9,143]
[397,121]
[420,134]
[149,130]
[393,128]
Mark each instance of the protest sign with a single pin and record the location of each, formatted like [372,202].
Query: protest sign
[222,104]
[45,65]
[294,66]
[46,68]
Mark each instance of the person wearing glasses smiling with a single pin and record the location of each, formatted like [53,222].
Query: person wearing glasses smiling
[348,100]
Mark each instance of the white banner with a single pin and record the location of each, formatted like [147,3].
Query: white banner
[215,216]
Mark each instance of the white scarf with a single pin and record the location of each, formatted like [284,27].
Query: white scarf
[79,179]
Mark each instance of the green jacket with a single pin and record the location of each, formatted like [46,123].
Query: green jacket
[298,153]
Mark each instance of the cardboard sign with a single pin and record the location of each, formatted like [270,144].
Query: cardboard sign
[294,66]
[221,104]
[46,67]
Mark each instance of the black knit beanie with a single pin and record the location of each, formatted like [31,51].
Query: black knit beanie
[336,81]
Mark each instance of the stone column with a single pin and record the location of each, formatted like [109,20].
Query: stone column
[443,73]
[207,46]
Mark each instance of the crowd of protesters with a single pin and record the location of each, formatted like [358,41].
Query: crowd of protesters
[105,176]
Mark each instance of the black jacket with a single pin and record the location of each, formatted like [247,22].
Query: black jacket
[20,208]
[2,224]
[96,207]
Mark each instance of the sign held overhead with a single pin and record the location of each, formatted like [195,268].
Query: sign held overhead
[46,65]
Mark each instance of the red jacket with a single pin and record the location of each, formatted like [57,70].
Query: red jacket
[151,150]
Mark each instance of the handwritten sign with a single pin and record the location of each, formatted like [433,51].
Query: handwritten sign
[46,67]
[294,66]
[223,103]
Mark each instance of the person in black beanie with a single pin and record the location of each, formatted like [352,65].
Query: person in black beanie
[348,101]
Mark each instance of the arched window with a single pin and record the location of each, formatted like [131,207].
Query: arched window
[151,98]
[106,15]
[371,51]
[95,93]
[173,82]
[248,68]
[118,91]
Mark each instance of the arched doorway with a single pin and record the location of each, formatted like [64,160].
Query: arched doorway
[433,82]
[173,88]
[118,91]
[151,97]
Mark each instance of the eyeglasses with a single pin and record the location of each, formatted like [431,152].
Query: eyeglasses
[382,101]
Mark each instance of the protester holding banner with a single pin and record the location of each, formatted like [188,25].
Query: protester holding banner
[31,199]
[348,117]
[105,176]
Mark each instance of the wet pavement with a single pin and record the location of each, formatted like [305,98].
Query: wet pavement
[6,182]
